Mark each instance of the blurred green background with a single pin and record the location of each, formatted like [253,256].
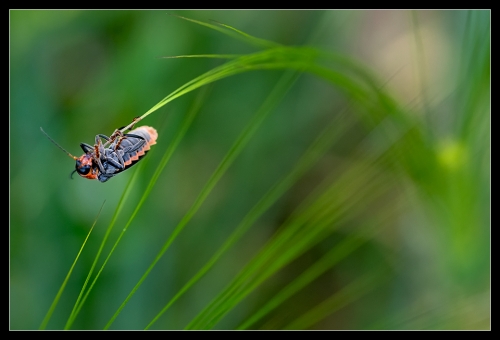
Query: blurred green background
[80,73]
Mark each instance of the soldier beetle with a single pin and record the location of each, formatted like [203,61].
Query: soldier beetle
[103,161]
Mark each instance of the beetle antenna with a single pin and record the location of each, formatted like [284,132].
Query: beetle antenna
[60,147]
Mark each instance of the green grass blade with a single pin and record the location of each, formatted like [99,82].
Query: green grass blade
[292,240]
[279,91]
[361,87]
[182,131]
[79,302]
[47,317]
[230,68]
[310,157]
[180,134]
[351,78]
[275,248]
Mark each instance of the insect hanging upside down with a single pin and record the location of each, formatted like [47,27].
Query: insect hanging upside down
[103,161]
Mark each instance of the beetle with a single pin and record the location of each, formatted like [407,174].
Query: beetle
[103,161]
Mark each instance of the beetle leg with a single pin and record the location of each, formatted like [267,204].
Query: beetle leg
[116,134]
[103,137]
[110,160]
[99,148]
[130,135]
[119,142]
[120,158]
[86,147]
[120,165]
[113,136]
[99,165]
[134,121]
[106,138]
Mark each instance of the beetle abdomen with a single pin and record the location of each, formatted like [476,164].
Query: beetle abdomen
[130,148]
[132,153]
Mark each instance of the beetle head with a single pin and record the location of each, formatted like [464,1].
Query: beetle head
[84,167]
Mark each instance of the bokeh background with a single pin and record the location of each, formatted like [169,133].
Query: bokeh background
[80,73]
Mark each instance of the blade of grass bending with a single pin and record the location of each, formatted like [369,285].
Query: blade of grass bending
[295,58]
[230,68]
[286,81]
[244,274]
[239,66]
[348,63]
[233,287]
[310,157]
[79,301]
[253,266]
[280,246]
[317,229]
[291,247]
[302,60]
[47,317]
[180,134]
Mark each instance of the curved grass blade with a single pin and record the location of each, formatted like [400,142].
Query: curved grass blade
[279,91]
[348,76]
[293,239]
[357,68]
[47,317]
[310,157]
[283,58]
[231,68]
